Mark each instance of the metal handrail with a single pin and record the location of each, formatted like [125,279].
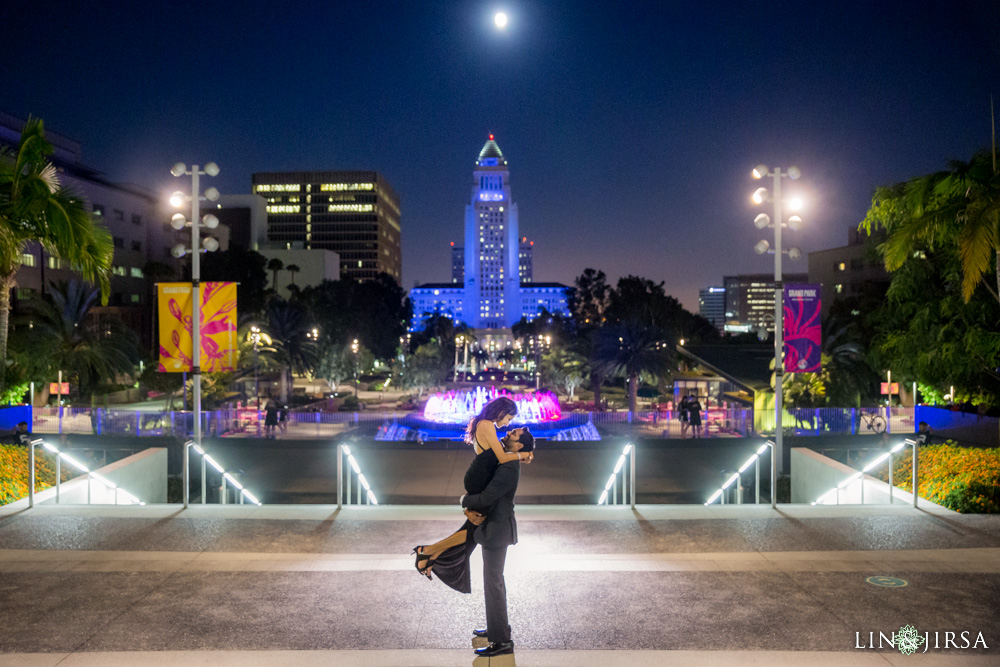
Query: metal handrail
[369,496]
[861,474]
[628,481]
[91,475]
[226,477]
[738,478]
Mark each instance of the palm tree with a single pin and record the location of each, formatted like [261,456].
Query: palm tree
[35,207]
[292,270]
[289,328]
[960,206]
[274,265]
[61,329]
[630,350]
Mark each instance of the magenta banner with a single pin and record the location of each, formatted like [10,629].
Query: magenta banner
[802,332]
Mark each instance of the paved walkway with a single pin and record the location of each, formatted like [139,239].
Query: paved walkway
[284,585]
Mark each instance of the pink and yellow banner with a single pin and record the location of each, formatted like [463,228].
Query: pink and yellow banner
[218,327]
[802,329]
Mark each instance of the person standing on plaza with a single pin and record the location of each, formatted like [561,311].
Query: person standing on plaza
[682,414]
[270,418]
[694,416]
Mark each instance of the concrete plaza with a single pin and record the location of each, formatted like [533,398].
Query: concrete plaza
[305,585]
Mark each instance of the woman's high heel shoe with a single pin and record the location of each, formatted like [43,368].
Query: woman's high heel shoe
[422,557]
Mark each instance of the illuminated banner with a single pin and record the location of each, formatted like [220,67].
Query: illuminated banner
[802,333]
[218,327]
[890,388]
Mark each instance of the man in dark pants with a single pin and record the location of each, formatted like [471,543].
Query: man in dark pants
[495,534]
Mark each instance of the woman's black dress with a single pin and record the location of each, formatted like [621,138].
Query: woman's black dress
[452,566]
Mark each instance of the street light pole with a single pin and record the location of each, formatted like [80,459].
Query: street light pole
[354,349]
[762,221]
[196,222]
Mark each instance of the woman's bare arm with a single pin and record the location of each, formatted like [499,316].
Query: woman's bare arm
[486,436]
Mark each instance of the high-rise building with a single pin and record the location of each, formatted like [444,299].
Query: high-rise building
[492,285]
[524,257]
[712,305]
[457,264]
[354,213]
[492,274]
[132,216]
[854,271]
[750,300]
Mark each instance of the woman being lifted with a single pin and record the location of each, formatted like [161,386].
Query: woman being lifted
[450,556]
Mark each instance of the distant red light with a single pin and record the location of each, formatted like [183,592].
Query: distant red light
[532,243]
[491,137]
[453,243]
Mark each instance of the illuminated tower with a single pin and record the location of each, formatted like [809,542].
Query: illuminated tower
[492,298]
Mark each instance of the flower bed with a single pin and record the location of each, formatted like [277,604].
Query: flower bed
[964,479]
[14,472]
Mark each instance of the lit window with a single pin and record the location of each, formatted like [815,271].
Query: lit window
[136,272]
[281,187]
[839,289]
[27,259]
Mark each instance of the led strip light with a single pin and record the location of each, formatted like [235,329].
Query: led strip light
[132,499]
[361,477]
[611,479]
[229,478]
[736,475]
[858,475]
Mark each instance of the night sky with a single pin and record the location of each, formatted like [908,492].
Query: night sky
[630,127]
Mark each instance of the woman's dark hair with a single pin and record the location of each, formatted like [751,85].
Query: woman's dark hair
[493,411]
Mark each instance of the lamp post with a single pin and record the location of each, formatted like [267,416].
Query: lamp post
[178,222]
[354,350]
[458,341]
[794,222]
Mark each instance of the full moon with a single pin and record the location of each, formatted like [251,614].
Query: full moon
[500,19]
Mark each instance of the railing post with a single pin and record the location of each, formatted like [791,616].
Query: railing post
[187,472]
[739,488]
[914,473]
[31,474]
[204,478]
[58,477]
[756,481]
[891,463]
[347,495]
[340,474]
[614,490]
[90,483]
[854,415]
[223,492]
[631,465]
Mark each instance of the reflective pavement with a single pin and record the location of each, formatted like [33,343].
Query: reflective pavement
[685,585]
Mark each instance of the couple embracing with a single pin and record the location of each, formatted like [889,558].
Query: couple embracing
[490,485]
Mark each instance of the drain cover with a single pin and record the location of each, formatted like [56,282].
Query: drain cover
[887,582]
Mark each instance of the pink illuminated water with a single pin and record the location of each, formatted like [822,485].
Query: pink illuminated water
[458,407]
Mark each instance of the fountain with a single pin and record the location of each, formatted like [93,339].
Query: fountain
[446,415]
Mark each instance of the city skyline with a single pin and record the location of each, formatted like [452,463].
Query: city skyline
[638,126]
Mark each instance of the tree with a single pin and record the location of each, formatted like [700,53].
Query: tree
[631,350]
[292,270]
[961,205]
[589,298]
[335,365]
[61,329]
[427,367]
[34,206]
[565,368]
[289,328]
[245,267]
[376,312]
[275,265]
